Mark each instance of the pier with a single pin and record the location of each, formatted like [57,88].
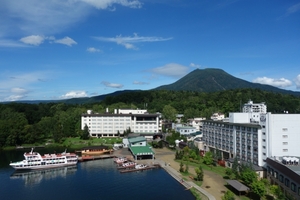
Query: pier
[142,169]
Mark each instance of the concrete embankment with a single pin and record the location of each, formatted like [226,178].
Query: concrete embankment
[188,184]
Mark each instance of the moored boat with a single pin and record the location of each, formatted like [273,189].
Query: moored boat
[140,166]
[96,150]
[128,164]
[120,160]
[34,160]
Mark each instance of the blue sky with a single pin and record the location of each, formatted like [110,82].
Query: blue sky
[59,49]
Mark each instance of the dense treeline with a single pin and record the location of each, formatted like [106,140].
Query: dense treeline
[205,103]
[34,123]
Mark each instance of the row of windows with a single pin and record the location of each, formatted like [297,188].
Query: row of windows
[223,133]
[105,120]
[243,158]
[243,128]
[284,180]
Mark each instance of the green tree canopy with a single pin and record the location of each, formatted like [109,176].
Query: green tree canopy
[208,158]
[169,113]
[258,188]
[228,195]
[85,133]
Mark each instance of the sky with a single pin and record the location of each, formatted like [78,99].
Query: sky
[61,49]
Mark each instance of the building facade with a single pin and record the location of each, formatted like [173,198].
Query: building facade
[285,172]
[196,123]
[113,124]
[254,135]
[186,130]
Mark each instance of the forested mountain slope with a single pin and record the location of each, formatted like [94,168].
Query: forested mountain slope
[213,80]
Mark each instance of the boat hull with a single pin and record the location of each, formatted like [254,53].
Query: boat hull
[34,160]
[95,153]
[44,166]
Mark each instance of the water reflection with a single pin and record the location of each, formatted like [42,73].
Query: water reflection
[34,177]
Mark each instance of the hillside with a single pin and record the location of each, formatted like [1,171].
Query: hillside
[214,80]
[200,80]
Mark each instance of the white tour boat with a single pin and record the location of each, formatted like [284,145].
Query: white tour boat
[34,160]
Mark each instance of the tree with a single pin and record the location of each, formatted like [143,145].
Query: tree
[85,135]
[277,192]
[258,188]
[186,170]
[235,168]
[228,195]
[190,113]
[248,176]
[199,173]
[229,173]
[208,158]
[169,113]
[181,169]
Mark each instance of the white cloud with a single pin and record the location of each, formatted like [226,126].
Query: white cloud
[11,43]
[19,90]
[14,86]
[195,65]
[140,83]
[66,40]
[35,40]
[297,81]
[93,50]
[293,9]
[14,98]
[35,16]
[74,94]
[19,17]
[109,3]
[171,69]
[16,94]
[128,41]
[282,82]
[21,79]
[112,85]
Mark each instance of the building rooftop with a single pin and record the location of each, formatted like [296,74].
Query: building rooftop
[235,124]
[136,139]
[185,127]
[290,162]
[142,150]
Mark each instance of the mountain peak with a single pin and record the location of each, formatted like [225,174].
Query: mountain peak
[214,80]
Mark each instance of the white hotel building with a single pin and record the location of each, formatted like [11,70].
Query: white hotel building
[110,124]
[254,135]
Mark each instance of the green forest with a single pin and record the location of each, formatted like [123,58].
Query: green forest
[23,123]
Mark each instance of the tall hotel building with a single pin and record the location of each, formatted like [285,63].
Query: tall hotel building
[254,135]
[110,124]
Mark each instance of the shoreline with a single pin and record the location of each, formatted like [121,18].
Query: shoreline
[165,158]
[187,184]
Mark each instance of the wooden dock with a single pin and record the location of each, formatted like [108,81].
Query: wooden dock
[127,167]
[142,169]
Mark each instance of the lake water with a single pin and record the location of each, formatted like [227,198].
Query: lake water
[97,179]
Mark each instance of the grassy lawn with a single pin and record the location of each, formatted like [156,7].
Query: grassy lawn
[74,143]
[77,142]
[216,169]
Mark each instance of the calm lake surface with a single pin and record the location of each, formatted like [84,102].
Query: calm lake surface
[97,179]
